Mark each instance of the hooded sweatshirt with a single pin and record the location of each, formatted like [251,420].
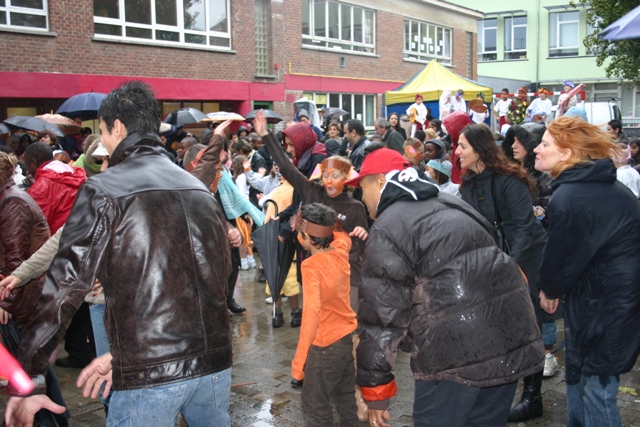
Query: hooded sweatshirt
[454,123]
[54,190]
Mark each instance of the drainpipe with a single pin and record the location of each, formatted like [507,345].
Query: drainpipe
[538,47]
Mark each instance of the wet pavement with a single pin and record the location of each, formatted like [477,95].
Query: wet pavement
[261,394]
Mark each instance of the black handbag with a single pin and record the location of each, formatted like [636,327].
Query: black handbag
[498,226]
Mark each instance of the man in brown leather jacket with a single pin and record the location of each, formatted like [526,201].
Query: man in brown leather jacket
[160,249]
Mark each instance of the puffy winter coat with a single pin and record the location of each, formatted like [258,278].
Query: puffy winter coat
[23,229]
[55,192]
[591,257]
[432,269]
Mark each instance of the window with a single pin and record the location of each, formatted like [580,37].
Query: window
[515,37]
[359,106]
[32,14]
[333,25]
[424,42]
[169,22]
[563,33]
[488,39]
[262,37]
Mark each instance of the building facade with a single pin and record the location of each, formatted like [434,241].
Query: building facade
[541,44]
[223,55]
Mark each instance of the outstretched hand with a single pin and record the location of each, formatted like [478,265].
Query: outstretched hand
[260,124]
[360,233]
[219,130]
[21,410]
[94,375]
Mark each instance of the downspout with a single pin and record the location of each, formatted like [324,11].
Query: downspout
[538,47]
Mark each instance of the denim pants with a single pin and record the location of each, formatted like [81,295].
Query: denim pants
[330,372]
[203,401]
[449,404]
[100,339]
[549,333]
[593,402]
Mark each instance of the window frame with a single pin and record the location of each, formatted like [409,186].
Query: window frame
[178,28]
[483,54]
[325,98]
[8,9]
[510,29]
[325,42]
[557,52]
[430,29]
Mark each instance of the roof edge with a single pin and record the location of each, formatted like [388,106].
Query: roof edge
[454,7]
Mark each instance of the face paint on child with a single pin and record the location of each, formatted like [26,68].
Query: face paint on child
[334,175]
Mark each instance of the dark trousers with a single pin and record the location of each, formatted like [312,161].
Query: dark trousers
[330,372]
[235,270]
[448,404]
[78,340]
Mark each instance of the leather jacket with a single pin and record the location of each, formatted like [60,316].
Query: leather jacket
[156,239]
[23,230]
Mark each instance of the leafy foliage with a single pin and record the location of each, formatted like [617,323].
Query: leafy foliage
[623,55]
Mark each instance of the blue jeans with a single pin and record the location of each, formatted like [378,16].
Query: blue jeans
[549,332]
[100,338]
[593,402]
[203,401]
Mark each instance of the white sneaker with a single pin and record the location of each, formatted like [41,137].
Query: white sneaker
[269,300]
[550,366]
[252,262]
[244,265]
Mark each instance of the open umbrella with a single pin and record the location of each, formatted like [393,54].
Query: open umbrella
[222,116]
[309,109]
[83,105]
[627,27]
[334,111]
[271,116]
[4,129]
[68,126]
[276,256]
[33,124]
[184,116]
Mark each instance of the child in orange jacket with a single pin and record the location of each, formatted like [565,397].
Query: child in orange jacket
[324,355]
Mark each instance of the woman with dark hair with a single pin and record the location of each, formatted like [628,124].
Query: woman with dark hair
[394,121]
[436,125]
[494,186]
[518,146]
[50,138]
[591,260]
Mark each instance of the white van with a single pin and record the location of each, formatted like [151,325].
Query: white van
[599,113]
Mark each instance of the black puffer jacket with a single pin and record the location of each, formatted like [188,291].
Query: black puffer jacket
[525,234]
[160,249]
[592,258]
[432,268]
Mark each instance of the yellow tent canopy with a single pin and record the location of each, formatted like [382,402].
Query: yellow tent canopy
[431,82]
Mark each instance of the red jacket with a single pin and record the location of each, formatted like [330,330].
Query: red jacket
[56,191]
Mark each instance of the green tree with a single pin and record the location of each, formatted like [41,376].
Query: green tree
[623,55]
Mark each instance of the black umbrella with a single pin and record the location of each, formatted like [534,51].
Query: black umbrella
[335,111]
[83,105]
[33,124]
[276,256]
[271,116]
[184,116]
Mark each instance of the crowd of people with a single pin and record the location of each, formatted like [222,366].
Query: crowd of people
[447,240]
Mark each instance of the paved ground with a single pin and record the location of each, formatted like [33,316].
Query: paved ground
[261,395]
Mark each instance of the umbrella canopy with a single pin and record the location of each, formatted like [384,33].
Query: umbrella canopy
[271,116]
[33,124]
[4,129]
[68,126]
[83,105]
[334,111]
[184,116]
[627,27]
[222,116]
[276,256]
[308,108]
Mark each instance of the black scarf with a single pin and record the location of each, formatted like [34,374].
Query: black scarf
[409,185]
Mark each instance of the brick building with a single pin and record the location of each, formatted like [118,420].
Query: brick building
[227,55]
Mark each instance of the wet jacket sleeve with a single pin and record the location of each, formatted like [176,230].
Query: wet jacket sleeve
[519,217]
[568,251]
[39,262]
[70,277]
[310,318]
[15,235]
[208,166]
[384,311]
[256,181]
[297,180]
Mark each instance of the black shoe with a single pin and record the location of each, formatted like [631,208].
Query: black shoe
[296,318]
[296,383]
[262,278]
[72,362]
[278,320]
[235,308]
[530,405]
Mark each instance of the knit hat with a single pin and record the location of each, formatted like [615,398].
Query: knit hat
[381,161]
[577,112]
[569,83]
[418,96]
[444,166]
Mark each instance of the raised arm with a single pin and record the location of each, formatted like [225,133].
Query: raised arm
[208,166]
